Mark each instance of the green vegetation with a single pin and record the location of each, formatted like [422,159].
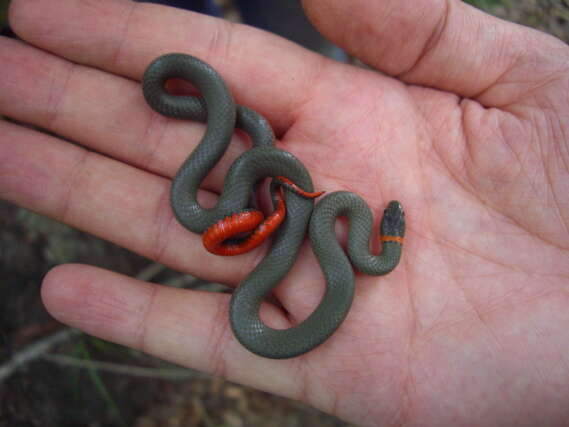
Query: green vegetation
[100,385]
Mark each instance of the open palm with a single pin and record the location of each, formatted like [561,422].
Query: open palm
[472,138]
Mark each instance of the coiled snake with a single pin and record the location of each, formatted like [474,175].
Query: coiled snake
[218,110]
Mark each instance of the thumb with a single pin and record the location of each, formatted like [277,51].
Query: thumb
[445,44]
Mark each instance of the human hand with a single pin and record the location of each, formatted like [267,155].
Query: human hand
[471,137]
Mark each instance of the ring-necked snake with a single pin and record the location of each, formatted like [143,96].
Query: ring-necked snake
[218,110]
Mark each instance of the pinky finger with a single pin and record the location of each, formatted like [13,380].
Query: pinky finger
[186,327]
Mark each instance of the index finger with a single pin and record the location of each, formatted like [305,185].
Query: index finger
[265,72]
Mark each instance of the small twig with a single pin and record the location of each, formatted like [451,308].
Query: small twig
[182,281]
[177,374]
[150,271]
[35,350]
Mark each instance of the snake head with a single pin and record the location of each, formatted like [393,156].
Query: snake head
[393,221]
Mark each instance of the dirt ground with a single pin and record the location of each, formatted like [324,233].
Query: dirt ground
[83,381]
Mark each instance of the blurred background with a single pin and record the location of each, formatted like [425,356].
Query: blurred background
[51,375]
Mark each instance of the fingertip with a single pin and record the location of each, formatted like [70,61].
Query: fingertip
[63,288]
[97,301]
[20,13]
[12,13]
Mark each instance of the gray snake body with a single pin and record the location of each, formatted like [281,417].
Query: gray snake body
[219,111]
